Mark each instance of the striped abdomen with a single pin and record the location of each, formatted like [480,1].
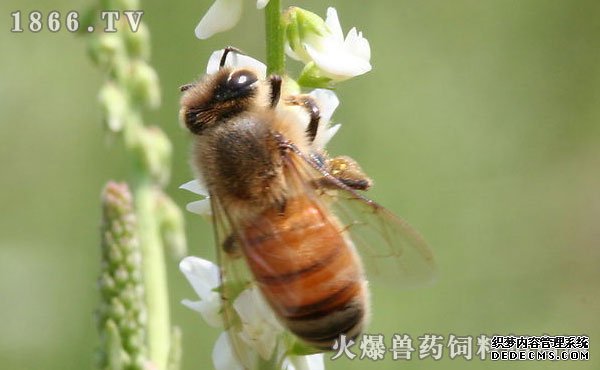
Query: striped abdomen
[307,271]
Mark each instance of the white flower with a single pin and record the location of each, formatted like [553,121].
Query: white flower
[222,16]
[260,330]
[203,276]
[260,327]
[324,45]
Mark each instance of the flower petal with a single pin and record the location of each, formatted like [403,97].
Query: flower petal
[260,327]
[251,305]
[260,4]
[221,16]
[333,22]
[315,362]
[328,102]
[357,44]
[195,187]
[200,207]
[202,275]
[325,136]
[291,53]
[337,62]
[192,305]
[310,362]
[210,310]
[223,356]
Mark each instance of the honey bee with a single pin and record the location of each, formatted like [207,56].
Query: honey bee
[279,204]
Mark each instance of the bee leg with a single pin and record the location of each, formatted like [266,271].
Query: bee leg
[275,82]
[342,168]
[312,108]
[231,246]
[348,171]
[287,146]
[327,183]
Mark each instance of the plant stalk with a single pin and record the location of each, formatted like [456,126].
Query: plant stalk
[154,272]
[274,38]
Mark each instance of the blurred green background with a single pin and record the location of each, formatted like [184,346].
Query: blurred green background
[480,124]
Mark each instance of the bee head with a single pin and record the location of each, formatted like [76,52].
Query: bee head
[218,97]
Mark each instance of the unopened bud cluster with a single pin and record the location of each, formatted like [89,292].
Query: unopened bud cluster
[132,85]
[121,317]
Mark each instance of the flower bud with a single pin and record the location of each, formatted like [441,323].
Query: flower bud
[302,26]
[113,102]
[143,82]
[113,357]
[138,43]
[106,49]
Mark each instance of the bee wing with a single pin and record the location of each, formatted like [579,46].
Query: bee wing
[234,278]
[391,249]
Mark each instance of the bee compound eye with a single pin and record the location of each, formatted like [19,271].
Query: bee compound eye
[241,79]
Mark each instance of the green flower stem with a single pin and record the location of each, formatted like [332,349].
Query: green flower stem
[154,272]
[147,173]
[275,65]
[275,38]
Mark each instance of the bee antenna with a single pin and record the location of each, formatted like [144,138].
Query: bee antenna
[226,51]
